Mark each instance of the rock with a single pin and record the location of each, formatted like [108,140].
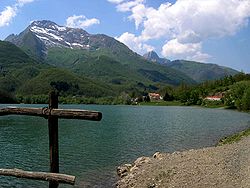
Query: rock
[157,155]
[134,168]
[123,170]
[141,160]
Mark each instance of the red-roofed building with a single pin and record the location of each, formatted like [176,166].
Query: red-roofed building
[155,96]
[213,98]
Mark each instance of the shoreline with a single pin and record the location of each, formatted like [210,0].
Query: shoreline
[211,166]
[230,139]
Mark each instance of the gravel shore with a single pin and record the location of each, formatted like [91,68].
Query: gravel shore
[226,166]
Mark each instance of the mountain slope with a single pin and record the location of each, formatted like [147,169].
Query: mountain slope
[29,42]
[66,83]
[15,67]
[48,34]
[153,56]
[20,74]
[98,65]
[96,56]
[199,72]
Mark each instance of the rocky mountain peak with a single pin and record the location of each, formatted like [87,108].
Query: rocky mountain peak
[40,36]
[153,56]
[43,23]
[53,35]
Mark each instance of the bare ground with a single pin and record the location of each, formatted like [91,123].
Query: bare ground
[226,166]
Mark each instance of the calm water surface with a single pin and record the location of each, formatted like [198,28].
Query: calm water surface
[92,150]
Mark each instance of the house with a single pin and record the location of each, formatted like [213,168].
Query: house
[155,96]
[213,98]
[216,97]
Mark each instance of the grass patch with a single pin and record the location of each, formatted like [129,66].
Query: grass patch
[162,103]
[215,106]
[234,138]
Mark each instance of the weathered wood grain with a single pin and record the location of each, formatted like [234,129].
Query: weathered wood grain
[59,113]
[53,138]
[60,178]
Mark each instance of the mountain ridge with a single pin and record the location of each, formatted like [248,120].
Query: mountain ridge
[82,64]
[198,71]
[53,35]
[153,56]
[22,75]
[78,51]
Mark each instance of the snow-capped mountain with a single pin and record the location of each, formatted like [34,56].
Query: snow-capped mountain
[40,36]
[54,35]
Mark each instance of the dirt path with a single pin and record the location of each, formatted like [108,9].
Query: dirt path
[225,166]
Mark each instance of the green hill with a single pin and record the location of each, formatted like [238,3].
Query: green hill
[22,75]
[14,64]
[66,83]
[121,73]
[201,72]
[96,56]
[29,43]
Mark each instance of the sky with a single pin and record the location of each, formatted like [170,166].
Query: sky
[210,31]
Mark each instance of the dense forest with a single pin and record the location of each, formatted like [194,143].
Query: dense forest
[235,92]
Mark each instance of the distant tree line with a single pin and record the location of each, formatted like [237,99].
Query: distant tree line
[7,97]
[236,90]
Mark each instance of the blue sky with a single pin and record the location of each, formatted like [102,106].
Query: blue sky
[212,31]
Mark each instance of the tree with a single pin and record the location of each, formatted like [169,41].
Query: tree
[168,97]
[246,100]
[60,85]
[167,93]
[238,96]
[6,97]
[147,98]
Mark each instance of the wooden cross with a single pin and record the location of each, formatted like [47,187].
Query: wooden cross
[52,113]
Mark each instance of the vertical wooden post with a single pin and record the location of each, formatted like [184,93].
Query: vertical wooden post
[53,138]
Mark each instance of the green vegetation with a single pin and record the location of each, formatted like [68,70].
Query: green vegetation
[109,79]
[123,72]
[234,138]
[6,98]
[162,103]
[29,81]
[201,72]
[65,82]
[233,90]
[29,43]
[238,96]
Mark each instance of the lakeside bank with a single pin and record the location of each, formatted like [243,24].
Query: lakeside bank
[227,165]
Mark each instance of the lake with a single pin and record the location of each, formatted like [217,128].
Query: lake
[92,150]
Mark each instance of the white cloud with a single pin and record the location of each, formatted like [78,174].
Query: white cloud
[134,43]
[7,15]
[189,51]
[207,18]
[125,5]
[189,37]
[139,13]
[10,12]
[115,1]
[22,2]
[81,21]
[187,22]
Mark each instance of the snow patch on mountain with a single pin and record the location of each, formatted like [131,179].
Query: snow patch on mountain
[60,28]
[76,44]
[54,35]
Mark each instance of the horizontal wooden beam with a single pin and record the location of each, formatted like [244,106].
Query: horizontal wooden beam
[59,113]
[60,178]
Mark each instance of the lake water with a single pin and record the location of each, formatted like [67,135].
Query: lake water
[92,150]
